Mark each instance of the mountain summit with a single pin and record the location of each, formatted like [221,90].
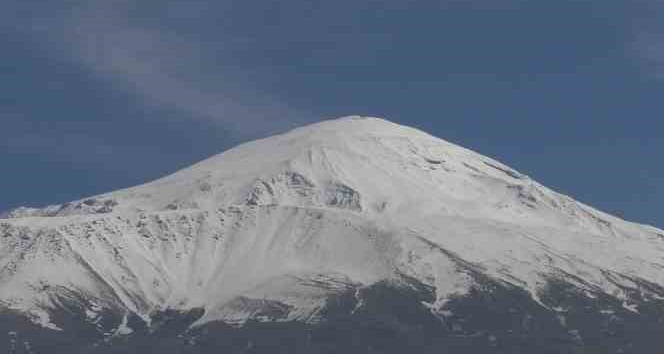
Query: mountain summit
[314,223]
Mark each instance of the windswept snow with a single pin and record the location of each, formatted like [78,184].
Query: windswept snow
[282,222]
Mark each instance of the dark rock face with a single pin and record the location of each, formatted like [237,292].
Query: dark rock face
[384,318]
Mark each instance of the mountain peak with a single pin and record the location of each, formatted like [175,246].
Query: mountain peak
[356,126]
[352,121]
[339,204]
[363,164]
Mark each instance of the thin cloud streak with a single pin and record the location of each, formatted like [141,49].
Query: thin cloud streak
[648,48]
[647,44]
[165,70]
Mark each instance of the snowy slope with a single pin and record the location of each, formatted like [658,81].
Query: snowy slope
[283,222]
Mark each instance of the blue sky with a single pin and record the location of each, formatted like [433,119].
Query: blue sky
[99,95]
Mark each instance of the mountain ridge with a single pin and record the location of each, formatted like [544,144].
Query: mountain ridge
[272,230]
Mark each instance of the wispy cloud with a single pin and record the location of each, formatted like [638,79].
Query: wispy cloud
[167,70]
[647,36]
[648,48]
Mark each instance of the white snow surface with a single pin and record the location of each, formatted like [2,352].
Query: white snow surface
[295,217]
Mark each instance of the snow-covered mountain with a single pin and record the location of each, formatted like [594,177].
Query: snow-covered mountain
[273,229]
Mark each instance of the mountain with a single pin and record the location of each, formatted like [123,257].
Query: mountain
[354,235]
